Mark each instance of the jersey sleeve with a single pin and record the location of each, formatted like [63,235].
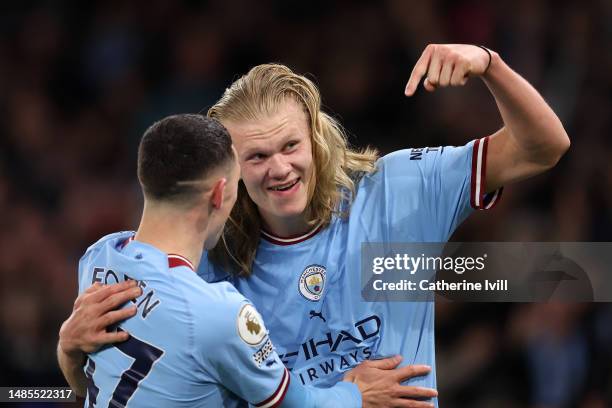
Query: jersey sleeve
[102,247]
[434,187]
[239,354]
[341,394]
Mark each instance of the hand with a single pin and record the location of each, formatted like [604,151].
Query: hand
[93,311]
[379,383]
[447,64]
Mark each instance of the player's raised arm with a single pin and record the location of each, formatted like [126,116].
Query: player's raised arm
[532,139]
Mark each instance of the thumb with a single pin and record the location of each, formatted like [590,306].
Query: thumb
[386,363]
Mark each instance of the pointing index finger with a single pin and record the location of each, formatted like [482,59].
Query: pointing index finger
[419,70]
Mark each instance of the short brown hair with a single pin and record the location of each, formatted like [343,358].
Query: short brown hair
[180,149]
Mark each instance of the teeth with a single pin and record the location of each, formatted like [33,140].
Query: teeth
[283,187]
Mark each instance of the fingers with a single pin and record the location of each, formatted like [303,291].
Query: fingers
[459,76]
[384,363]
[419,70]
[435,68]
[409,391]
[79,300]
[445,74]
[109,290]
[428,85]
[119,298]
[443,65]
[410,371]
[98,336]
[116,316]
[114,337]
[96,286]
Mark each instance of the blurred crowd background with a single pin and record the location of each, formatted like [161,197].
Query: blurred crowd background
[81,81]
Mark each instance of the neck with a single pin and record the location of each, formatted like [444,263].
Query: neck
[286,226]
[172,231]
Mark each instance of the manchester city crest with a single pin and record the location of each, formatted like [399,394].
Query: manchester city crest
[312,282]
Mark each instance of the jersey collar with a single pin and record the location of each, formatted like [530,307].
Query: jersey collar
[174,260]
[290,240]
[126,241]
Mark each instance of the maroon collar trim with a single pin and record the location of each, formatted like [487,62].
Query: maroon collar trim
[126,241]
[290,240]
[175,260]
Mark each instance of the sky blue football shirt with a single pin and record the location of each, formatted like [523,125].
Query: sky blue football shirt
[308,288]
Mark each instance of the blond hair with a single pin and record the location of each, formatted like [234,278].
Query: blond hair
[336,166]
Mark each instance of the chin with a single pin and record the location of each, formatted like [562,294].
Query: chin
[290,210]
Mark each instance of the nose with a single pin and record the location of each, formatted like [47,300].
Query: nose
[279,167]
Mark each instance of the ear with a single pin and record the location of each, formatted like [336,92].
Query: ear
[217,193]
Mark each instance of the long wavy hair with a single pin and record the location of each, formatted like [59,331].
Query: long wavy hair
[336,167]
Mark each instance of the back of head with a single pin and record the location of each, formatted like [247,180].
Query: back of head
[177,153]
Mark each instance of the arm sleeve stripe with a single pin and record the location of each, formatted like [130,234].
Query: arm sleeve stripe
[476,172]
[478,198]
[277,397]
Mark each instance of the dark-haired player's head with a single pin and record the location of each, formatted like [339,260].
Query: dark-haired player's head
[187,163]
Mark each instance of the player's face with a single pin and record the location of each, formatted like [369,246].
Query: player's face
[276,163]
[230,194]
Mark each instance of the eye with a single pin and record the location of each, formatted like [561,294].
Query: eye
[256,157]
[291,145]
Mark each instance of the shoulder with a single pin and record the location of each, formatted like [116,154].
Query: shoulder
[220,293]
[227,320]
[107,240]
[102,248]
[215,305]
[97,256]
[416,155]
[418,161]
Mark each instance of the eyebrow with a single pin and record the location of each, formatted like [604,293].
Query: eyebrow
[266,147]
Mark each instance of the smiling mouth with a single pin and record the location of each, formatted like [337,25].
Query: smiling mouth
[284,187]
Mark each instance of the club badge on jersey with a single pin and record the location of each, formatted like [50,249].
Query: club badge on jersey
[312,282]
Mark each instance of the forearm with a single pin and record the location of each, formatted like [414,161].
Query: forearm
[532,126]
[72,368]
[343,394]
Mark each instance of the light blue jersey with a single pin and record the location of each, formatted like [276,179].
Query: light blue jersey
[192,344]
[308,288]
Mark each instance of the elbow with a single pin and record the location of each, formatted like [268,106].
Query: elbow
[556,150]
